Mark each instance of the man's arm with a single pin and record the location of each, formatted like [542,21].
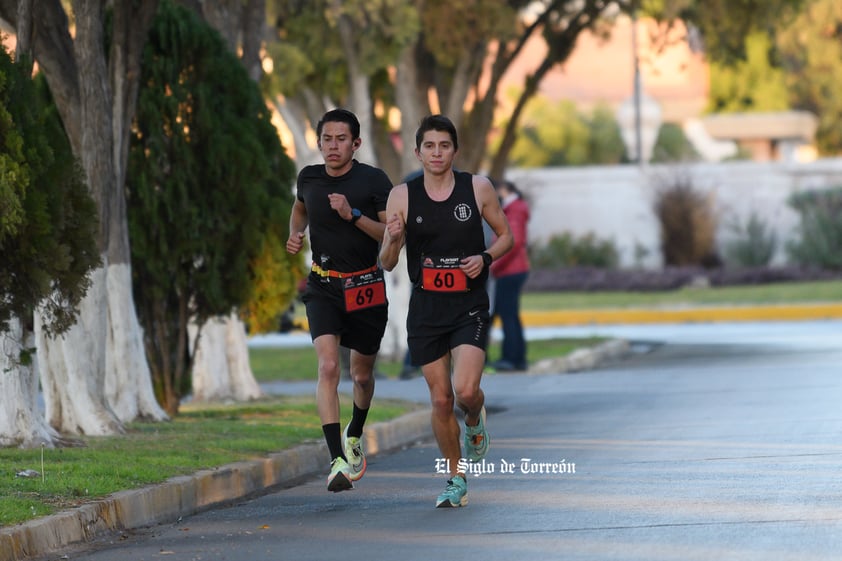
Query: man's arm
[494,215]
[394,234]
[374,228]
[298,221]
[492,212]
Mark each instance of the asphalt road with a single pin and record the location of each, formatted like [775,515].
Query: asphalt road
[717,442]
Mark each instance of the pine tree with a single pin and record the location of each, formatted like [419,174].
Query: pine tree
[48,221]
[208,184]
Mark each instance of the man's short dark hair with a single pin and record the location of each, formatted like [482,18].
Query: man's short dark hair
[340,116]
[436,123]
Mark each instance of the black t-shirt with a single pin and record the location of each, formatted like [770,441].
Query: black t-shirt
[449,228]
[337,244]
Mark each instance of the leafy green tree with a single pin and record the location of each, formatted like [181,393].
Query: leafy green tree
[48,221]
[89,54]
[606,143]
[723,25]
[557,134]
[552,134]
[811,53]
[672,145]
[419,57]
[48,227]
[208,183]
[769,56]
[753,84]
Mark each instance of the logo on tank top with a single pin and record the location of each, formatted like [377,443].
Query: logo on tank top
[462,212]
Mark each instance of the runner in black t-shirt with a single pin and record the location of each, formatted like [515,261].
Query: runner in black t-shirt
[439,218]
[343,202]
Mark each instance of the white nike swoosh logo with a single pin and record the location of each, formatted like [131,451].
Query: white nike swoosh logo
[475,312]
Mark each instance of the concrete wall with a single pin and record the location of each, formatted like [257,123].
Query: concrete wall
[616,202]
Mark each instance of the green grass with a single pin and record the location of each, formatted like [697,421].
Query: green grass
[293,363]
[775,293]
[299,363]
[199,438]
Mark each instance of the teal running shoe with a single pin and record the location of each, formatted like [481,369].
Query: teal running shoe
[476,439]
[455,494]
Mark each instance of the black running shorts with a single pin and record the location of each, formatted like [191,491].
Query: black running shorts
[361,331]
[437,323]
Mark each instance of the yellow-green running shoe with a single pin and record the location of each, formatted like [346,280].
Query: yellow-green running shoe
[455,494]
[476,439]
[353,447]
[340,476]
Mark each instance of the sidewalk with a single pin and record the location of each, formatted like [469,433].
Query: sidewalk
[187,495]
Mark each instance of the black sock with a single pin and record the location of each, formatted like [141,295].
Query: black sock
[333,437]
[355,428]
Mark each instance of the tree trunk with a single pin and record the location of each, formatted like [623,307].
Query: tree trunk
[359,96]
[501,158]
[295,117]
[128,384]
[412,104]
[103,351]
[221,369]
[22,423]
[393,347]
[253,26]
[72,368]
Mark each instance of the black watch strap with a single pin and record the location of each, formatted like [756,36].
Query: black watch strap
[355,215]
[486,258]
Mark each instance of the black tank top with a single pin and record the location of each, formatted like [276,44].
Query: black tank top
[450,228]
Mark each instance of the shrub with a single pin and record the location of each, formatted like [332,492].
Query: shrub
[672,145]
[688,226]
[566,250]
[754,245]
[820,243]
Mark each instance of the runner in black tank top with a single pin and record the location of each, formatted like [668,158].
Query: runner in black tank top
[452,227]
[439,218]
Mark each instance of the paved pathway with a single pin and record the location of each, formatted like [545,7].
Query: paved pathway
[708,443]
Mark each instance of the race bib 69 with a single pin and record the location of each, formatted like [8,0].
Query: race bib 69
[364,291]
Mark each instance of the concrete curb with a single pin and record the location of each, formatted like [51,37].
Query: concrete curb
[583,359]
[186,495]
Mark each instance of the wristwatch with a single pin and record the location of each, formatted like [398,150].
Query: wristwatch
[355,215]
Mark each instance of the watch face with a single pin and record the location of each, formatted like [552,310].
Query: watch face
[356,212]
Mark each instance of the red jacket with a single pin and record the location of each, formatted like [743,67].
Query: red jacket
[516,259]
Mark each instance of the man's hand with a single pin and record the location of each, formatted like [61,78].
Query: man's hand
[394,227]
[295,243]
[472,266]
[340,204]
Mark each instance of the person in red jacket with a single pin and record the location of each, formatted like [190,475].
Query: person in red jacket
[510,272]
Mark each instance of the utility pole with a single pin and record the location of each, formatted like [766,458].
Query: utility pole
[638,137]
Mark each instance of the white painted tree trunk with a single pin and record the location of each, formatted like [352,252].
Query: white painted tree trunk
[72,368]
[393,346]
[128,381]
[221,369]
[22,423]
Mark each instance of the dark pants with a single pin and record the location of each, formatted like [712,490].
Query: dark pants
[507,307]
